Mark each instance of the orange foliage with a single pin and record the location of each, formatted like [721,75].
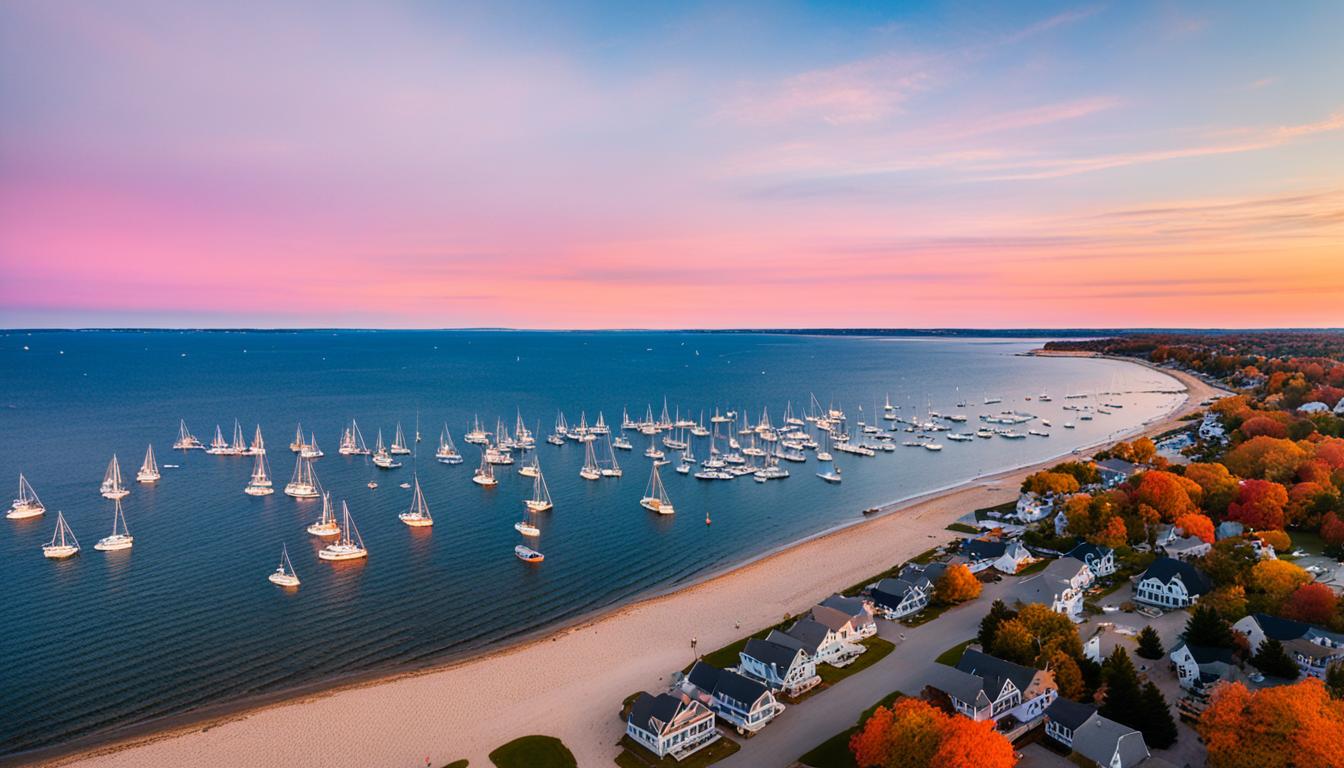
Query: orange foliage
[1264,425]
[1259,504]
[1277,578]
[1113,535]
[956,585]
[1171,495]
[1289,725]
[1197,525]
[913,734]
[1332,530]
[1266,457]
[1331,451]
[1313,603]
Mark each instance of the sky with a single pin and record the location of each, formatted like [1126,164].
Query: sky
[671,165]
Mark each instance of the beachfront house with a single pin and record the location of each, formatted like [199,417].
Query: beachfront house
[1033,506]
[983,687]
[744,703]
[1166,534]
[1061,586]
[1187,548]
[1198,667]
[823,643]
[1005,557]
[1116,471]
[1313,648]
[1314,407]
[851,617]
[1065,716]
[1110,744]
[1099,559]
[786,668]
[1171,583]
[909,592]
[668,724]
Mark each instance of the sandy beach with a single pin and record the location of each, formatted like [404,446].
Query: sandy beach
[568,684]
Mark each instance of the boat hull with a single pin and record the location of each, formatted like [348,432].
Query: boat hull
[281,580]
[114,495]
[21,513]
[527,530]
[254,490]
[653,505]
[342,554]
[488,482]
[150,477]
[59,553]
[302,492]
[318,529]
[114,543]
[415,521]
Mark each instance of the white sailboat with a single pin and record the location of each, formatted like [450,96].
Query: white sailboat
[350,546]
[218,446]
[447,452]
[260,482]
[476,435]
[531,468]
[326,525]
[239,445]
[590,470]
[303,485]
[112,487]
[655,496]
[284,575]
[382,459]
[541,495]
[27,504]
[418,515]
[258,447]
[296,445]
[608,466]
[310,449]
[485,474]
[149,470]
[63,543]
[185,440]
[398,447]
[352,441]
[121,538]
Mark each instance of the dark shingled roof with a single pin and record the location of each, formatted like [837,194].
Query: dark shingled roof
[1165,568]
[810,633]
[1101,739]
[852,606]
[662,707]
[1204,654]
[890,592]
[995,671]
[1087,551]
[1118,466]
[1069,713]
[1280,629]
[770,652]
[725,684]
[979,549]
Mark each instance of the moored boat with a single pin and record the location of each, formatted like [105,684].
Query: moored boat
[121,538]
[350,545]
[63,543]
[284,575]
[27,504]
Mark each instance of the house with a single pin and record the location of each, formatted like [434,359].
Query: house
[1313,648]
[909,592]
[1166,534]
[1100,559]
[1061,586]
[824,644]
[1315,406]
[983,687]
[1199,667]
[1211,428]
[1339,407]
[786,668]
[1116,471]
[1065,716]
[1110,744]
[1171,583]
[668,724]
[852,616]
[745,703]
[1061,523]
[1228,529]
[1005,557]
[1032,507]
[1187,548]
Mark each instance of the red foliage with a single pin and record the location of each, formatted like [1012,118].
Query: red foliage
[1197,525]
[1314,471]
[1313,603]
[1170,494]
[914,733]
[1332,530]
[1259,504]
[1331,452]
[1257,426]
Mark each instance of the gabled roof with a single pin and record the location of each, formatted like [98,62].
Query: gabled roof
[979,549]
[995,671]
[1069,713]
[890,592]
[768,651]
[725,684]
[1164,569]
[1087,551]
[655,713]
[1185,544]
[811,634]
[851,606]
[1100,739]
[1203,654]
[958,684]
[1063,569]
[1284,630]
[830,618]
[1118,466]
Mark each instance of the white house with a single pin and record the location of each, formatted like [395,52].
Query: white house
[1313,648]
[745,703]
[1110,744]
[786,668]
[1187,548]
[1101,560]
[1316,406]
[983,687]
[850,617]
[909,592]
[1116,471]
[1065,716]
[1211,428]
[1198,666]
[824,644]
[670,725]
[1032,507]
[1170,583]
[1061,586]
[1006,557]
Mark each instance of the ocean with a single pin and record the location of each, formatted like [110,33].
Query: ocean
[186,620]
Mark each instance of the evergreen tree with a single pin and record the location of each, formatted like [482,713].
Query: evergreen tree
[1334,681]
[1150,645]
[1159,729]
[1208,629]
[1274,661]
[1123,697]
[989,626]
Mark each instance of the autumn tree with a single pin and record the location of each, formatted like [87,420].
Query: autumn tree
[1283,726]
[1228,601]
[1218,485]
[1334,680]
[1047,482]
[956,585]
[1150,645]
[1197,525]
[1230,561]
[1259,505]
[1113,535]
[1313,603]
[989,626]
[1205,627]
[1140,451]
[1085,472]
[1068,675]
[967,743]
[1267,458]
[1013,642]
[1267,426]
[1051,632]
[1273,660]
[1272,581]
[1332,530]
[1170,494]
[913,734]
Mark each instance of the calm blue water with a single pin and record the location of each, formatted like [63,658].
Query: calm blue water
[187,619]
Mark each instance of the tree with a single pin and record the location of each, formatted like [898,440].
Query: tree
[989,626]
[1013,642]
[1068,676]
[1230,561]
[1122,701]
[1266,457]
[1274,581]
[1113,535]
[1170,494]
[971,744]
[1205,627]
[1263,425]
[1279,540]
[1159,729]
[1085,472]
[1150,645]
[1332,530]
[1197,525]
[1313,603]
[1277,727]
[1259,504]
[1274,661]
[1334,680]
[1048,482]
[956,585]
[1228,601]
[1078,511]
[912,734]
[1051,632]
[1218,485]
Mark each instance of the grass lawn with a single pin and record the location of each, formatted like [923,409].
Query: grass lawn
[727,655]
[1036,567]
[877,650]
[982,515]
[963,528]
[929,613]
[952,655]
[534,752]
[834,752]
[635,756]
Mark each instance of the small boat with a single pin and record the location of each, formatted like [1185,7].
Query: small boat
[284,575]
[1068,425]
[296,445]
[326,524]
[382,459]
[541,495]
[121,538]
[933,446]
[63,543]
[310,449]
[112,487]
[622,442]
[303,485]
[185,440]
[526,528]
[832,476]
[27,504]
[655,496]
[447,452]
[404,486]
[418,515]
[530,469]
[372,484]
[485,474]
[352,441]
[527,554]
[398,447]
[260,482]
[1038,433]
[348,546]
[258,446]
[590,470]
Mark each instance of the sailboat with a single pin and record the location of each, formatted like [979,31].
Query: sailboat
[27,504]
[381,458]
[218,446]
[258,445]
[590,469]
[655,496]
[447,452]
[485,474]
[528,554]
[310,449]
[260,483]
[399,443]
[326,524]
[121,538]
[350,546]
[609,467]
[284,575]
[303,485]
[185,440]
[541,495]
[476,435]
[531,468]
[297,444]
[652,451]
[239,445]
[832,475]
[63,543]
[112,487]
[418,515]
[352,441]
[149,470]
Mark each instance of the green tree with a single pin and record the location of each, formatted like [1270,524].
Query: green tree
[1274,661]
[998,613]
[1150,645]
[1205,627]
[1159,729]
[1334,680]
[1123,699]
